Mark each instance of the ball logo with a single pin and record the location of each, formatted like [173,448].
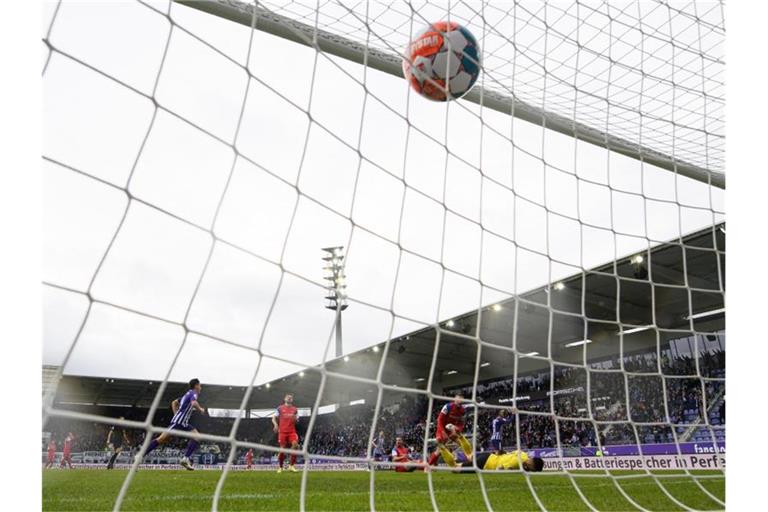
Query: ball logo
[426,44]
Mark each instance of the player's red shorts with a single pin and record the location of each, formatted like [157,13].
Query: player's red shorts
[285,439]
[442,434]
[51,456]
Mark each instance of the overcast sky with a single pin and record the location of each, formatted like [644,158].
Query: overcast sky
[401,193]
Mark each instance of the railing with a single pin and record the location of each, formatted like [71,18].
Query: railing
[715,402]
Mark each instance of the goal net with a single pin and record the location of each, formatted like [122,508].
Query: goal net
[553,242]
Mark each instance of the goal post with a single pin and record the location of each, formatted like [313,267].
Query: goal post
[261,18]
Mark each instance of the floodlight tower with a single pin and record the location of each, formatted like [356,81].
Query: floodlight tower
[337,288]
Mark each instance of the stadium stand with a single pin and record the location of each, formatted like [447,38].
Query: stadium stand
[345,431]
[668,371]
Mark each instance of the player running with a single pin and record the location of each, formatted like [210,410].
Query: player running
[66,457]
[497,428]
[493,461]
[182,412]
[284,424]
[249,458]
[51,453]
[115,440]
[450,425]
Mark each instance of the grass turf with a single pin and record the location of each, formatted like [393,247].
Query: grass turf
[88,489]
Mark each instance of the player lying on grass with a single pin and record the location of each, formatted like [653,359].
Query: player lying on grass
[450,425]
[284,425]
[496,460]
[402,454]
[116,438]
[182,412]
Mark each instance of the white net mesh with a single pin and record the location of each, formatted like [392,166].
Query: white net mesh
[632,68]
[195,166]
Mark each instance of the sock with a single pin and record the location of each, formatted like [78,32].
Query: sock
[433,458]
[293,459]
[112,460]
[447,456]
[152,445]
[466,446]
[191,447]
[280,459]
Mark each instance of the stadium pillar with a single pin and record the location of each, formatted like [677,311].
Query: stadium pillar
[339,350]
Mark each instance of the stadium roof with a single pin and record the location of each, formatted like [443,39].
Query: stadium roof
[616,294]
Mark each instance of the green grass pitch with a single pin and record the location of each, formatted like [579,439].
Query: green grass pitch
[89,489]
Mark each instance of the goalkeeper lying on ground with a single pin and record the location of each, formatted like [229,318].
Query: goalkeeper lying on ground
[495,460]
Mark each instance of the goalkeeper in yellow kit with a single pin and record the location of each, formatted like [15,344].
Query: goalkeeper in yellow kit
[494,460]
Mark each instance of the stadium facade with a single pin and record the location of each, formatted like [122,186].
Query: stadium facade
[591,318]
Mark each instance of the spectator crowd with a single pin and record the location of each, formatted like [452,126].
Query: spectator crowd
[566,406]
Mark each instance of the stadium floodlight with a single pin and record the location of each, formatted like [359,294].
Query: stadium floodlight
[450,323]
[375,349]
[639,270]
[705,314]
[420,379]
[638,329]
[496,307]
[452,372]
[346,359]
[578,343]
[559,286]
[529,354]
[301,374]
[485,364]
[337,289]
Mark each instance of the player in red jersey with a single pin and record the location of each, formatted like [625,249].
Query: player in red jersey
[66,457]
[402,454]
[450,425]
[51,453]
[249,458]
[284,424]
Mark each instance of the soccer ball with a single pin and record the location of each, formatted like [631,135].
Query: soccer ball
[443,61]
[450,428]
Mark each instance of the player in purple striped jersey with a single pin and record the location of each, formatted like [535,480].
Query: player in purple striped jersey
[182,412]
[497,428]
